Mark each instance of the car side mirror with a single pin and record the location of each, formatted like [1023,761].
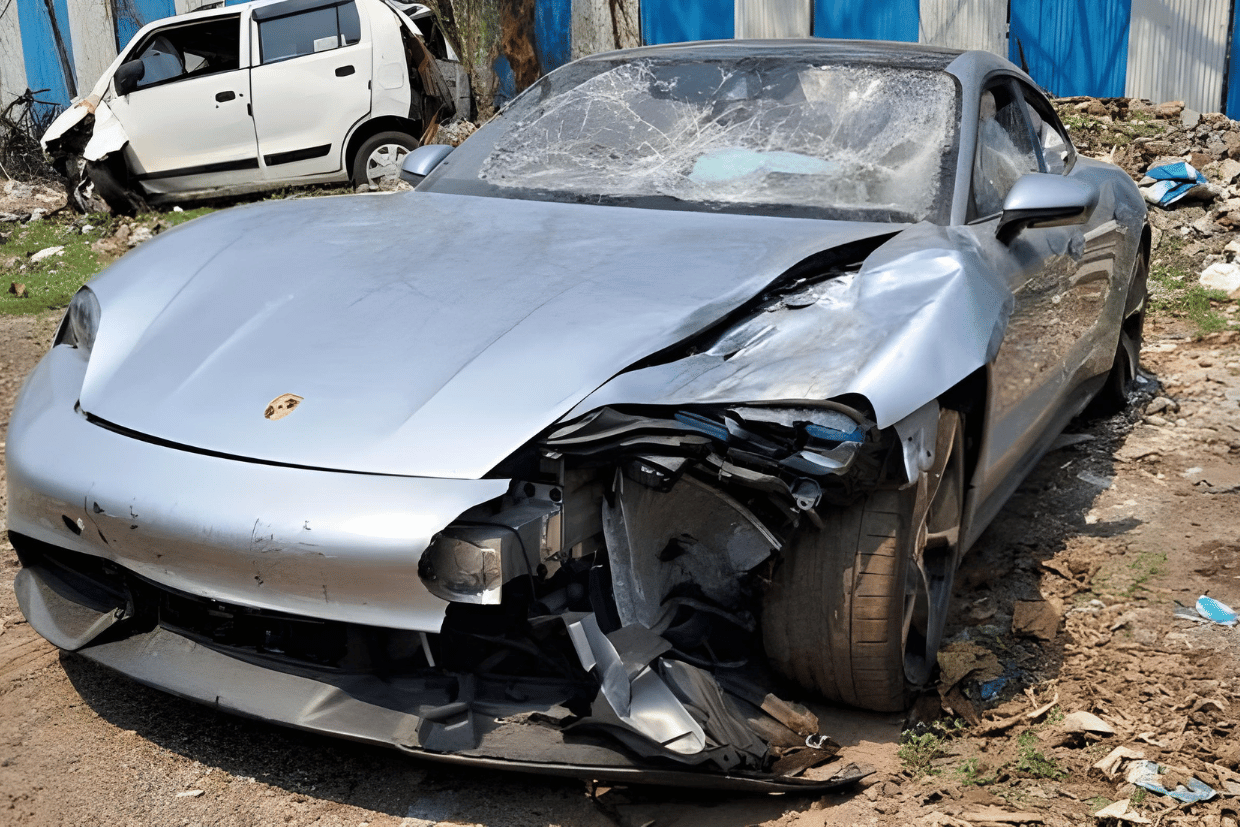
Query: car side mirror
[1040,199]
[419,163]
[128,74]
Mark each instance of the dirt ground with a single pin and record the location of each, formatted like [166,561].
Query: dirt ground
[1088,562]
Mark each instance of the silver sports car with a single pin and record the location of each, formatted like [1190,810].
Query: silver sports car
[674,395]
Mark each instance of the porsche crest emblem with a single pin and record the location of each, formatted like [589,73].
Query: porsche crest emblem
[282,406]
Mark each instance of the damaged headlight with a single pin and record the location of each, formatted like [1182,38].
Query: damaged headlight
[81,323]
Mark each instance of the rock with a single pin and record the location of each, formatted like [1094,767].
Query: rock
[47,252]
[1216,149]
[1225,277]
[1161,403]
[19,290]
[1205,226]
[139,235]
[1232,140]
[1168,109]
[1199,159]
[1189,118]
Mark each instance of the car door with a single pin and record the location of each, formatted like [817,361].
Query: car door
[187,118]
[311,83]
[1056,299]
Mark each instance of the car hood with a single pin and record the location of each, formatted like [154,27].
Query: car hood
[426,334]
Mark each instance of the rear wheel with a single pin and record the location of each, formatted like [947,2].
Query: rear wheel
[1113,396]
[856,611]
[378,160]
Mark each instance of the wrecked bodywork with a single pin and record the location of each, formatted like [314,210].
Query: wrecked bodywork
[616,470]
[199,105]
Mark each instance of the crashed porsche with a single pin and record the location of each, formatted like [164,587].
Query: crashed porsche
[670,398]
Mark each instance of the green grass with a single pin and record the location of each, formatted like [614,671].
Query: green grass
[919,751]
[970,775]
[1175,292]
[1032,762]
[53,281]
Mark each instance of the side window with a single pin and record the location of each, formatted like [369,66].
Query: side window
[192,50]
[1005,150]
[308,32]
[1057,150]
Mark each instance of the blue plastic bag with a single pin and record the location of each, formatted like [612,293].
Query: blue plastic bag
[1169,183]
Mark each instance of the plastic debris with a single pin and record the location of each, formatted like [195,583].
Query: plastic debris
[991,689]
[1094,479]
[1169,183]
[1146,774]
[1216,612]
[1086,722]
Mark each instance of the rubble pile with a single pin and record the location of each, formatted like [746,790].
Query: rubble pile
[1139,137]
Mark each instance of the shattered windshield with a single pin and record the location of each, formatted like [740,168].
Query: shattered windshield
[763,134]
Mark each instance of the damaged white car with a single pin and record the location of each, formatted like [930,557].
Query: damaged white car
[255,96]
[674,395]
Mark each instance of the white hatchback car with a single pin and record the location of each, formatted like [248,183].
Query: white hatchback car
[254,96]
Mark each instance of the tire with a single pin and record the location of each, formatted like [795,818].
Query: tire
[378,160]
[111,188]
[1113,396]
[856,610]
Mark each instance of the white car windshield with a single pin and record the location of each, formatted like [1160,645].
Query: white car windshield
[754,135]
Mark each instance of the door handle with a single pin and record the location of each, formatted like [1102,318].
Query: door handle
[225,96]
[345,71]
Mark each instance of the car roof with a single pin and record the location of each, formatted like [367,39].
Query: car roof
[900,55]
[234,8]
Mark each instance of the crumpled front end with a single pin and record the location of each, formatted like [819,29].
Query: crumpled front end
[588,611]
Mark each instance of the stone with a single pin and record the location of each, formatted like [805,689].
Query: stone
[1232,140]
[1189,118]
[1199,159]
[47,252]
[1168,109]
[1228,171]
[1216,149]
[1225,277]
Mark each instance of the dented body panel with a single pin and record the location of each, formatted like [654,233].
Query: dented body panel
[212,113]
[526,486]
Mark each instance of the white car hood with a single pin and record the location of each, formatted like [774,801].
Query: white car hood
[428,334]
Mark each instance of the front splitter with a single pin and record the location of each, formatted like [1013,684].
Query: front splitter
[173,663]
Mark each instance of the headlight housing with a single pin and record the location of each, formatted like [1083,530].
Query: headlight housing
[81,322]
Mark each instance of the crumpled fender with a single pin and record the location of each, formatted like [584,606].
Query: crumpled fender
[926,309]
[68,119]
[109,136]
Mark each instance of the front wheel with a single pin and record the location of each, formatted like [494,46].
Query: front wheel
[378,161]
[856,610]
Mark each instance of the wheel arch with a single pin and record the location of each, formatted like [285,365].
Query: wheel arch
[372,127]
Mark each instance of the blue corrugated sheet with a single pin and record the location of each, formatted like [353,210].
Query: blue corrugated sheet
[1072,47]
[136,14]
[553,26]
[675,21]
[1232,104]
[867,19]
[44,67]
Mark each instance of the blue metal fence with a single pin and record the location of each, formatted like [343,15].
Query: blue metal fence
[867,19]
[674,21]
[47,48]
[1072,47]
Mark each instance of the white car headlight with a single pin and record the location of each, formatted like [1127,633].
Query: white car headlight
[81,322]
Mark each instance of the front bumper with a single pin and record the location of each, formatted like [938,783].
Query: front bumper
[425,711]
[321,544]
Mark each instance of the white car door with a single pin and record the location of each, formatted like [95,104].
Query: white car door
[187,117]
[311,83]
